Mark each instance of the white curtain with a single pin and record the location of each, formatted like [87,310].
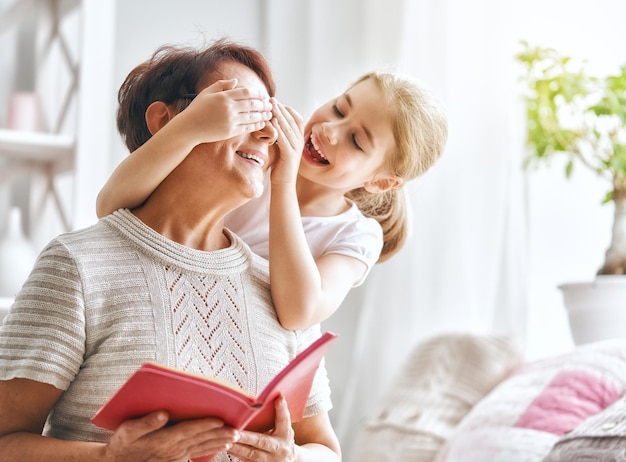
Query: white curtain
[465,267]
[470,265]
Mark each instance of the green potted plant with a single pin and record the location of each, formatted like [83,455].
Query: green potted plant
[583,117]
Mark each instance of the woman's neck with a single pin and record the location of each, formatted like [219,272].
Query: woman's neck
[183,223]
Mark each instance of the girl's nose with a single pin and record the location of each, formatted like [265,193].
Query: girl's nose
[329,132]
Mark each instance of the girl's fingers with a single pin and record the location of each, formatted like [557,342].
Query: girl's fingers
[290,118]
[253,127]
[283,140]
[297,118]
[252,105]
[245,100]
[289,122]
[221,85]
[243,93]
[254,117]
[251,112]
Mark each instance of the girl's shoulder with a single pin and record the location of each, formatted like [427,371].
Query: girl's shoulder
[350,233]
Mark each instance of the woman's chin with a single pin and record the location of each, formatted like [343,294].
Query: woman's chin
[254,189]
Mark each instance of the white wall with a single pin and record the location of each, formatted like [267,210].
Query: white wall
[14,42]
[569,229]
[7,68]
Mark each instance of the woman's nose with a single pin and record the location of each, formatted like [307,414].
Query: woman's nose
[268,133]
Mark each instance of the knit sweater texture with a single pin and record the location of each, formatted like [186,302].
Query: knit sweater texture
[101,301]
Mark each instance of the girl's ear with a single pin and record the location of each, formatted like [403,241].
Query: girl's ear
[383,184]
[157,115]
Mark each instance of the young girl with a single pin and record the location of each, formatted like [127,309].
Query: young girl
[337,200]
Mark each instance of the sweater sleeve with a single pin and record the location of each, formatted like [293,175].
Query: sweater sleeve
[43,336]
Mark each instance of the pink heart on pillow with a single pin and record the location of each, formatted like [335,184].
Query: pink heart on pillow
[570,398]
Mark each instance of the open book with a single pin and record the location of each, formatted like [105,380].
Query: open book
[189,396]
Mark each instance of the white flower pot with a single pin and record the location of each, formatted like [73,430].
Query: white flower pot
[596,309]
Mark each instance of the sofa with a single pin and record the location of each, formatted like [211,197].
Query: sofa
[473,398]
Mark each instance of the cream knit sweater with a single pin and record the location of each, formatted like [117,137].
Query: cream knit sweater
[103,300]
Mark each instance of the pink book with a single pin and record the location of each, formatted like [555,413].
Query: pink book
[191,396]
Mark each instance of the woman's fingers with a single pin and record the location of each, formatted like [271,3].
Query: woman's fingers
[133,430]
[277,445]
[148,438]
[282,425]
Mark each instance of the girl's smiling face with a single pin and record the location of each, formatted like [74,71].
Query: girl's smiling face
[347,139]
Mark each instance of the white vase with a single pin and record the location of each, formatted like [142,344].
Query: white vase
[24,112]
[17,256]
[596,309]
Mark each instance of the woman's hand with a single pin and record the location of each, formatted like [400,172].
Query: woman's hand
[148,439]
[289,143]
[223,110]
[277,445]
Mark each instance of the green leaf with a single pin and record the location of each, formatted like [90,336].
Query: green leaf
[608,197]
[557,87]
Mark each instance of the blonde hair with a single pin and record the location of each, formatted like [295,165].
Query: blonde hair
[420,131]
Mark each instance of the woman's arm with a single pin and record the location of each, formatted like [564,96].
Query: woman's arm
[24,407]
[219,112]
[305,291]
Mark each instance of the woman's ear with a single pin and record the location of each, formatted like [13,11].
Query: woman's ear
[380,185]
[157,115]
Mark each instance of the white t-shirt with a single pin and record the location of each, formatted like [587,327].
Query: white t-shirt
[350,233]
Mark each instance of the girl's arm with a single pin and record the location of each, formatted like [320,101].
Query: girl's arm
[219,112]
[305,291]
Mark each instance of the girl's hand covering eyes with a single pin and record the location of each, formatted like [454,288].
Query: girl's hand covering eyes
[223,110]
[289,144]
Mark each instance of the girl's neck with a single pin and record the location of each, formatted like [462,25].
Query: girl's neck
[316,200]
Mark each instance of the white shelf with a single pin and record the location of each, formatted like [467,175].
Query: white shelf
[36,146]
[74,43]
[20,9]
[26,151]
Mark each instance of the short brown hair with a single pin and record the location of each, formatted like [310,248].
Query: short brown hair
[172,72]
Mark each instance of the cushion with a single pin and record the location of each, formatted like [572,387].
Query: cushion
[441,380]
[589,449]
[543,401]
[568,399]
[601,437]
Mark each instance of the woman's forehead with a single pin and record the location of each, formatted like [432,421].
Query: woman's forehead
[228,70]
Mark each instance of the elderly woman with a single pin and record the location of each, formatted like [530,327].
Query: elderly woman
[164,282]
